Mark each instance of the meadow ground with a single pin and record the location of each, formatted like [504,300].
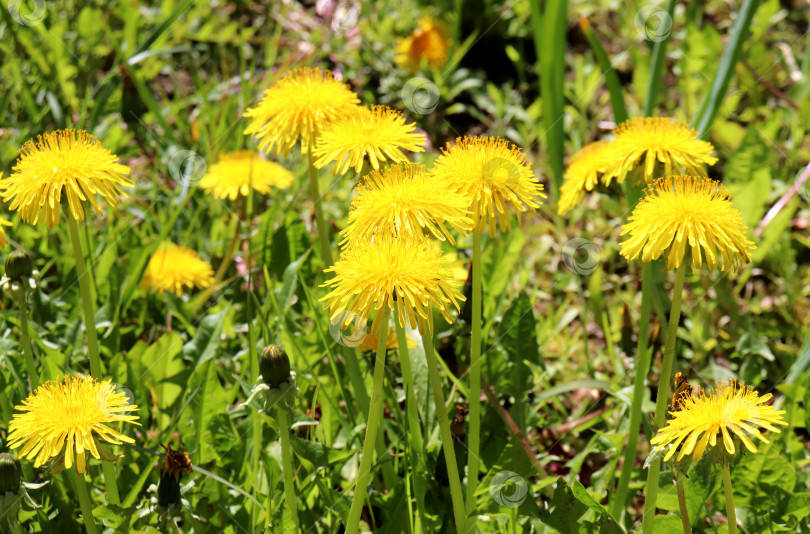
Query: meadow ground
[405,266]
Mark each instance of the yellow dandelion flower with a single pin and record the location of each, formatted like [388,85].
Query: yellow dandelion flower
[491,172]
[3,236]
[681,210]
[403,200]
[582,175]
[296,107]
[236,173]
[65,164]
[642,144]
[68,418]
[728,409]
[378,132]
[429,42]
[405,274]
[172,268]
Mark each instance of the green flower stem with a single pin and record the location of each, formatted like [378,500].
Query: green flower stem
[731,512]
[84,501]
[323,230]
[651,490]
[474,434]
[110,478]
[26,340]
[444,431]
[287,465]
[253,359]
[87,300]
[415,454]
[643,357]
[372,424]
[687,527]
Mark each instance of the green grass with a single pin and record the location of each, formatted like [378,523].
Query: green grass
[559,345]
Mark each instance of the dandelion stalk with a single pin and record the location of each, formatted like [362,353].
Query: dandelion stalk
[372,424]
[26,340]
[87,301]
[287,465]
[651,490]
[84,501]
[110,477]
[414,425]
[445,433]
[679,484]
[475,377]
[731,512]
[323,229]
[643,357]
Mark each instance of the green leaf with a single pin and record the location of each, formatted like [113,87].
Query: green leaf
[766,466]
[607,524]
[667,524]
[565,510]
[518,336]
[203,346]
[507,485]
[318,454]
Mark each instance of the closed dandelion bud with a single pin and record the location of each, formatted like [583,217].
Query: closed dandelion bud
[168,491]
[10,473]
[274,365]
[19,265]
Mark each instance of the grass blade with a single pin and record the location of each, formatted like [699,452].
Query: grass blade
[725,70]
[614,87]
[548,29]
[657,64]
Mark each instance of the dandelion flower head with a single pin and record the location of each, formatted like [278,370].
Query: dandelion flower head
[64,165]
[729,410]
[67,418]
[173,268]
[236,173]
[677,211]
[407,275]
[642,144]
[492,173]
[378,133]
[402,200]
[297,107]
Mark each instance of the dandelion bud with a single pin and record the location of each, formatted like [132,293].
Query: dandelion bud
[274,365]
[19,265]
[168,491]
[10,473]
